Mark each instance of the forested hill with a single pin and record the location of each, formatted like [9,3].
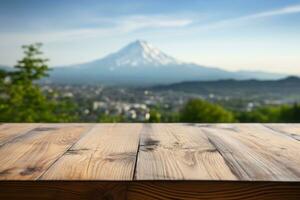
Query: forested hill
[286,86]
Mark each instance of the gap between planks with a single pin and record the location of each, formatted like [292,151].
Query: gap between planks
[218,135]
[27,157]
[85,133]
[108,152]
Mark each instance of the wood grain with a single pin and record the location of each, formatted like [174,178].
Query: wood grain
[292,130]
[107,152]
[179,152]
[62,190]
[10,131]
[150,161]
[27,157]
[255,152]
[149,190]
[214,190]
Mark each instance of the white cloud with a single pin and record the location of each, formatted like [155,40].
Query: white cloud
[115,26]
[122,25]
[282,11]
[140,22]
[271,13]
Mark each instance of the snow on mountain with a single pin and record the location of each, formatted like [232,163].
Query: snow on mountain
[137,54]
[139,63]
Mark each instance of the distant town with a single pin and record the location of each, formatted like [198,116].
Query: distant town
[135,104]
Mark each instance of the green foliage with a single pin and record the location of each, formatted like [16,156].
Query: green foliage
[21,99]
[2,77]
[3,88]
[155,116]
[275,114]
[290,114]
[197,111]
[32,67]
[110,118]
[171,117]
[264,114]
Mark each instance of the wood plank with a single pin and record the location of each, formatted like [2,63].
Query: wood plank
[10,131]
[179,152]
[292,130]
[62,190]
[214,190]
[148,190]
[181,161]
[255,152]
[29,156]
[107,152]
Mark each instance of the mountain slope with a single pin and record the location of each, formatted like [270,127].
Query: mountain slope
[137,54]
[139,63]
[289,86]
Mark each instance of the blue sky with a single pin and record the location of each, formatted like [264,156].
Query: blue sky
[230,34]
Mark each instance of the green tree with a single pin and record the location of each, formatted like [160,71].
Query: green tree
[170,117]
[290,113]
[197,110]
[3,74]
[155,116]
[21,99]
[110,118]
[275,114]
[263,114]
[31,68]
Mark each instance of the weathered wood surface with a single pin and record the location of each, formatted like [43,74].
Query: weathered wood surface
[148,190]
[214,190]
[106,152]
[10,131]
[177,152]
[28,156]
[134,161]
[254,152]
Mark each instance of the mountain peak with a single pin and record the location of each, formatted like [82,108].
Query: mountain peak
[140,63]
[140,42]
[141,53]
[138,45]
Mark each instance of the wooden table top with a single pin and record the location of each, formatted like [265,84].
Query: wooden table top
[247,152]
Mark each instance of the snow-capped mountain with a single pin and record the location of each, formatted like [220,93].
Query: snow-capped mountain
[139,63]
[140,53]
